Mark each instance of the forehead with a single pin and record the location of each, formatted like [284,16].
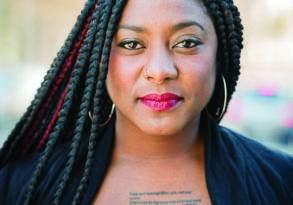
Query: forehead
[164,12]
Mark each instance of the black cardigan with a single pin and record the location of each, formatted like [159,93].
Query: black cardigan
[239,171]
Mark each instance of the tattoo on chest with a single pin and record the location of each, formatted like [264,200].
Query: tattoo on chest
[163,197]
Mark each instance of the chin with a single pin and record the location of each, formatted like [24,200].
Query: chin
[161,127]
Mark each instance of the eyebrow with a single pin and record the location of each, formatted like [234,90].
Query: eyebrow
[174,28]
[186,24]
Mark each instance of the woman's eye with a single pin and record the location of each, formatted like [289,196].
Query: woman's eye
[130,45]
[190,43]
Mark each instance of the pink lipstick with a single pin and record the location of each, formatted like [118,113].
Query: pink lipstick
[160,102]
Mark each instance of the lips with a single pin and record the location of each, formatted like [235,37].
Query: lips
[160,102]
[162,97]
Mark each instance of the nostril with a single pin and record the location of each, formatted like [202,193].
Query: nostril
[156,80]
[158,76]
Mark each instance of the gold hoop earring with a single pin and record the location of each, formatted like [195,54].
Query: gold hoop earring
[109,117]
[220,111]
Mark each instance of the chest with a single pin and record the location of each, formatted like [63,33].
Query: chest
[150,185]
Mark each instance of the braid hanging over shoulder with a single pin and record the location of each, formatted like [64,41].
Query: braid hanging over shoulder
[14,142]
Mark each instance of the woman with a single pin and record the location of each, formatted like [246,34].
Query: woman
[129,113]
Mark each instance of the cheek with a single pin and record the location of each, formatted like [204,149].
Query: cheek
[122,74]
[198,72]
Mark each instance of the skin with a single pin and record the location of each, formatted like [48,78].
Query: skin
[152,40]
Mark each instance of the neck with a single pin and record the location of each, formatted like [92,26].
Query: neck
[133,145]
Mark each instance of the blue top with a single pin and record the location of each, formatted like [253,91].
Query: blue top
[239,171]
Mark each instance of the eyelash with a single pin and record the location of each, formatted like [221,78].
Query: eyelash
[192,41]
[124,43]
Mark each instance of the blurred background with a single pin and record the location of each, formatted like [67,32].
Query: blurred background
[32,32]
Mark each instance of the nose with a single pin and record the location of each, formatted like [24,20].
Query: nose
[160,67]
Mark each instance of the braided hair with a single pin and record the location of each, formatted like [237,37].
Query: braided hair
[75,84]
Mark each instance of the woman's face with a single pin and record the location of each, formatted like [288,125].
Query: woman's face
[162,65]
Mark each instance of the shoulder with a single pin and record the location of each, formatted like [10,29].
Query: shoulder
[253,150]
[15,175]
[265,167]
